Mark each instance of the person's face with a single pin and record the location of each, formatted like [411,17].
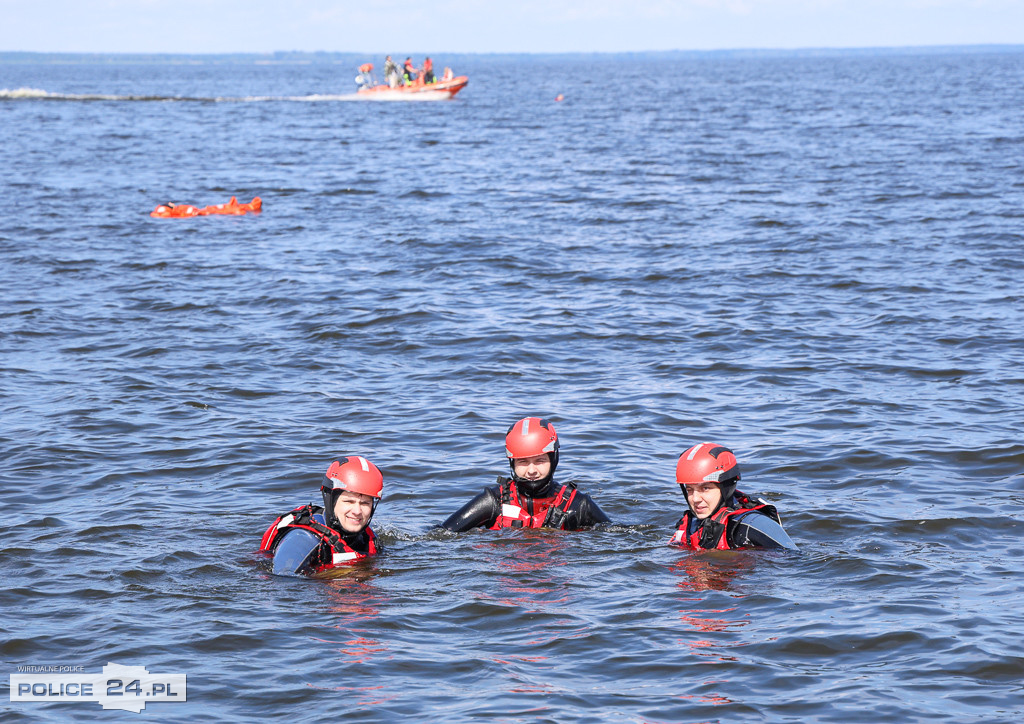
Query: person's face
[353,510]
[703,498]
[537,467]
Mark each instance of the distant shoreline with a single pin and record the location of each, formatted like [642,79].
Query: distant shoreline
[346,58]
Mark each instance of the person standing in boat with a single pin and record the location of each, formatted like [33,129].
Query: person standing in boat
[530,498]
[409,72]
[391,74]
[428,70]
[719,516]
[351,491]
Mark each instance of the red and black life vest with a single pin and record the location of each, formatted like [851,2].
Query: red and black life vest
[547,512]
[302,517]
[713,532]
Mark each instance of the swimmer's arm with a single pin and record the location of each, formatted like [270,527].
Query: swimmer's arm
[755,530]
[587,514]
[480,511]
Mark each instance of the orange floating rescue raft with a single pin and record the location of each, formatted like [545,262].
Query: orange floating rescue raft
[184,211]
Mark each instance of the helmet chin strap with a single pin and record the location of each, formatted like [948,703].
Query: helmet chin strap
[535,488]
[329,517]
[721,504]
[373,509]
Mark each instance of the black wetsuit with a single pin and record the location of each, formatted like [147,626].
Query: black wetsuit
[483,510]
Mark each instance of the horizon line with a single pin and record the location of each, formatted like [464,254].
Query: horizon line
[751,49]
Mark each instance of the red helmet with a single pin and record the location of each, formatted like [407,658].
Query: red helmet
[355,474]
[709,463]
[532,436]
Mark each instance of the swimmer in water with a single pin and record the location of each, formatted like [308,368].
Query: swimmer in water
[530,498]
[351,491]
[718,515]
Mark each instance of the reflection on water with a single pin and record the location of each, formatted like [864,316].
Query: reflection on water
[709,572]
[354,607]
[356,603]
[529,566]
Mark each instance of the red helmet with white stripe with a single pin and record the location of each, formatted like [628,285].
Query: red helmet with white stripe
[355,474]
[709,463]
[529,437]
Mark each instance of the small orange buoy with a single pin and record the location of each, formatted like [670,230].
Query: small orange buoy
[559,97]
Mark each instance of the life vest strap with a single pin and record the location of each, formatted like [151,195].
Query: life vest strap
[559,510]
[713,532]
[512,514]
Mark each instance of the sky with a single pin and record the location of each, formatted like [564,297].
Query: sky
[515,26]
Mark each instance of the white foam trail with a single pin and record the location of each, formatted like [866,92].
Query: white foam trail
[24,93]
[38,94]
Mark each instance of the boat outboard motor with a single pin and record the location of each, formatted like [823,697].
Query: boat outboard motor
[365,79]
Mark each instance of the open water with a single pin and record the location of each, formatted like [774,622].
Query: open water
[816,261]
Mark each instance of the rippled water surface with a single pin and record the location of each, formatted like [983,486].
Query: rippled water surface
[816,261]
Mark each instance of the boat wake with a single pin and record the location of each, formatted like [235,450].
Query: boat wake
[37,94]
